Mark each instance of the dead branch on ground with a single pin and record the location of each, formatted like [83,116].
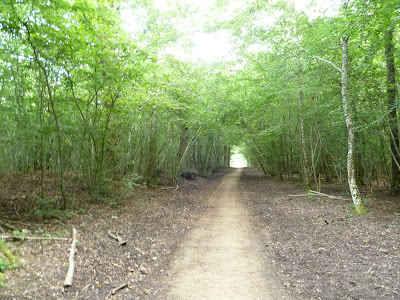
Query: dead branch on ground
[311,192]
[122,286]
[117,238]
[326,195]
[71,264]
[31,238]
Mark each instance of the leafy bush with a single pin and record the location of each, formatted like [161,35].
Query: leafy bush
[131,181]
[47,209]
[20,234]
[7,261]
[3,265]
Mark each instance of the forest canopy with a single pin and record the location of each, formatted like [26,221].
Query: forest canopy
[96,90]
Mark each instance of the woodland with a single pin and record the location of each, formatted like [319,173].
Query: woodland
[91,112]
[314,97]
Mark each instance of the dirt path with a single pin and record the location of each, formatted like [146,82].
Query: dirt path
[220,258]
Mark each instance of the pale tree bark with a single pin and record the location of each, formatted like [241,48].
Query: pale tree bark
[348,112]
[350,125]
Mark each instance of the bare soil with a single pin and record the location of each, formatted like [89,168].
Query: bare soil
[221,257]
[153,221]
[247,236]
[318,248]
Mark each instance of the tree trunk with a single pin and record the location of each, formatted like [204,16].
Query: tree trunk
[54,115]
[392,111]
[228,157]
[306,172]
[183,144]
[259,158]
[348,112]
[225,156]
[151,177]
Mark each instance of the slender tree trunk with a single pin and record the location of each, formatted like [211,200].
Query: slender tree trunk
[54,115]
[392,111]
[259,158]
[226,156]
[151,170]
[306,172]
[183,144]
[348,112]
[40,111]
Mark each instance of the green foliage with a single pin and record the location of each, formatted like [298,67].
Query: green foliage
[20,234]
[49,209]
[113,204]
[79,94]
[352,210]
[7,261]
[131,181]
[3,265]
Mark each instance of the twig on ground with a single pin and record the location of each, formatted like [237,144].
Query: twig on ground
[325,195]
[71,264]
[122,286]
[63,224]
[31,238]
[369,270]
[395,292]
[16,211]
[117,238]
[86,287]
[22,223]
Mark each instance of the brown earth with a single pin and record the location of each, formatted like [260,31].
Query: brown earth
[318,249]
[248,237]
[221,257]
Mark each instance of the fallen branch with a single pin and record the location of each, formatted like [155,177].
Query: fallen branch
[122,286]
[117,238]
[325,195]
[71,264]
[301,195]
[31,238]
[22,223]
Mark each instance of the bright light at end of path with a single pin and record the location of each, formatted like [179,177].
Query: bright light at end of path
[238,160]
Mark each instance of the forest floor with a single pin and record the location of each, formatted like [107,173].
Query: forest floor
[223,237]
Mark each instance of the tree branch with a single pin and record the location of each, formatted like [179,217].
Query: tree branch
[71,263]
[329,62]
